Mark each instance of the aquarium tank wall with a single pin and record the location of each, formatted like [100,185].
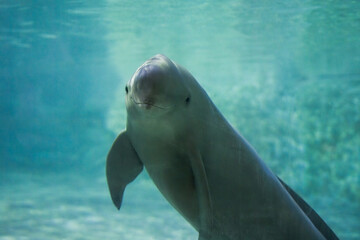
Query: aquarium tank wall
[285,74]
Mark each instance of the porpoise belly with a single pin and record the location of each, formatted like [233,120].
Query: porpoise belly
[176,183]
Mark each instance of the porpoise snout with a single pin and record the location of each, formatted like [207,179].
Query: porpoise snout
[155,84]
[148,82]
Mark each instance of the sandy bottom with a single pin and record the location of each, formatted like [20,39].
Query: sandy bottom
[64,207]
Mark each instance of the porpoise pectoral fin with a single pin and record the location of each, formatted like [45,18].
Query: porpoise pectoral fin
[122,167]
[318,222]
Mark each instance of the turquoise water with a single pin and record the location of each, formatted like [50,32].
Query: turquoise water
[286,74]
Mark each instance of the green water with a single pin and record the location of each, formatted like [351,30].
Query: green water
[286,74]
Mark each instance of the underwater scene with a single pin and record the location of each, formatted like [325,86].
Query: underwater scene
[285,74]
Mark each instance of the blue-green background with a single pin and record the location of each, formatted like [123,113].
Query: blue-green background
[286,74]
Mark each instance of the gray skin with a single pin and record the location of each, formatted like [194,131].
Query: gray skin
[206,170]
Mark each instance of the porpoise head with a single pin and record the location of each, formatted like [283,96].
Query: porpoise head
[157,86]
[163,100]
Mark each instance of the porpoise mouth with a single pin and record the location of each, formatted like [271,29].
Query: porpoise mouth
[148,104]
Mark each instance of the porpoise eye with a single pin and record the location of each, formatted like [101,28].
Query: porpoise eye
[126,89]
[187,100]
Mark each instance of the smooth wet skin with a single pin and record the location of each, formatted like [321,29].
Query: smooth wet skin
[201,165]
